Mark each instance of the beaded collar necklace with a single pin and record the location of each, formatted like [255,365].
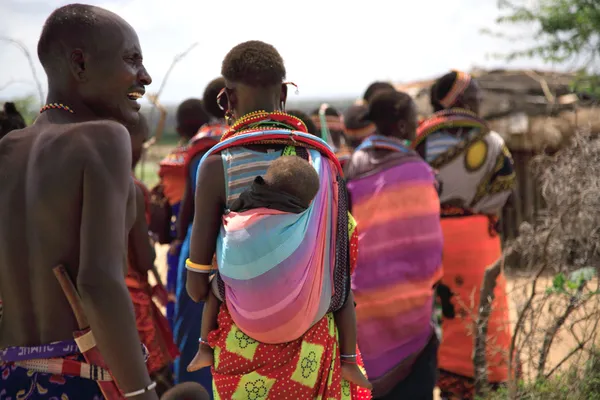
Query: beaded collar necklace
[262,120]
[56,106]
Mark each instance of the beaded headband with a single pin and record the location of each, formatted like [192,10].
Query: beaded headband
[361,133]
[333,123]
[461,83]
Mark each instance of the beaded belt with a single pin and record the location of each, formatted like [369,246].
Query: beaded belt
[52,350]
[66,367]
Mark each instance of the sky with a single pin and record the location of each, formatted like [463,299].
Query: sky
[332,48]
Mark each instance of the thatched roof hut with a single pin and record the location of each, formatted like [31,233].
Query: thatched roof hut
[532,110]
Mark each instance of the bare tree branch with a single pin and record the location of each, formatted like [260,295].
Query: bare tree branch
[155,102]
[25,51]
[574,302]
[485,308]
[176,60]
[14,82]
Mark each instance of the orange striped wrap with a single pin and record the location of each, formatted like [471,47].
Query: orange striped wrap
[468,251]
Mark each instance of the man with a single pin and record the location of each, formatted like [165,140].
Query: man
[394,200]
[286,340]
[68,199]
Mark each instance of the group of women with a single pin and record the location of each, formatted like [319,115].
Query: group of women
[424,195]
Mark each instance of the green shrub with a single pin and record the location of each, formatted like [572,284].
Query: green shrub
[576,383]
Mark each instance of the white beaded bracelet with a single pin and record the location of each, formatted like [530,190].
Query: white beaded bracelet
[141,391]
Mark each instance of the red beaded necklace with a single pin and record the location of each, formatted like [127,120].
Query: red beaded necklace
[262,120]
[56,106]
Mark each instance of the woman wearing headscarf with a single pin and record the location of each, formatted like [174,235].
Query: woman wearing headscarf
[476,176]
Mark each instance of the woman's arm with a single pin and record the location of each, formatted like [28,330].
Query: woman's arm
[208,210]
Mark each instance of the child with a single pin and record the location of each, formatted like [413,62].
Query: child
[289,185]
[186,391]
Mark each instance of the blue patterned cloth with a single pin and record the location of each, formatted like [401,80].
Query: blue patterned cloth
[172,266]
[17,383]
[188,317]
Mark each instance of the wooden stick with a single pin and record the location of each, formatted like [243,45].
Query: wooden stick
[72,295]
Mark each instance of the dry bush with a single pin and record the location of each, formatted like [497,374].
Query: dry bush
[556,291]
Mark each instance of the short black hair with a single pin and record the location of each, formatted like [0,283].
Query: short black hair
[254,63]
[210,97]
[72,24]
[441,88]
[374,88]
[354,117]
[293,175]
[389,106]
[10,119]
[190,116]
[310,125]
[186,391]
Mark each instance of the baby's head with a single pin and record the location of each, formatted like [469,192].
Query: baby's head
[186,391]
[295,176]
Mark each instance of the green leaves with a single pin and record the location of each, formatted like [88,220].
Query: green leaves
[565,29]
[581,276]
[586,83]
[558,284]
[561,284]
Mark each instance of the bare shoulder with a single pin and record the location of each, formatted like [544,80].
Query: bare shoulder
[100,137]
[210,172]
[212,164]
[211,177]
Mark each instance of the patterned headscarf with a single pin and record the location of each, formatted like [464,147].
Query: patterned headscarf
[462,82]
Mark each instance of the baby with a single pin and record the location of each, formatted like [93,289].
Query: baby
[289,185]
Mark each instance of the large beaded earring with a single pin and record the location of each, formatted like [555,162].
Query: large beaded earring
[229,118]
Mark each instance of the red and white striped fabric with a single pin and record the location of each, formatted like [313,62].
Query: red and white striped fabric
[60,366]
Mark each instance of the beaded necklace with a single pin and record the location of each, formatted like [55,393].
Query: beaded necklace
[56,106]
[263,120]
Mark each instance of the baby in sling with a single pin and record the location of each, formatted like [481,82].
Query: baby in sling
[289,186]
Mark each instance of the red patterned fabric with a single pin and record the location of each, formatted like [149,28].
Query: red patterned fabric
[306,368]
[152,325]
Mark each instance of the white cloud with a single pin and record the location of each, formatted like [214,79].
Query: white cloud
[331,48]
